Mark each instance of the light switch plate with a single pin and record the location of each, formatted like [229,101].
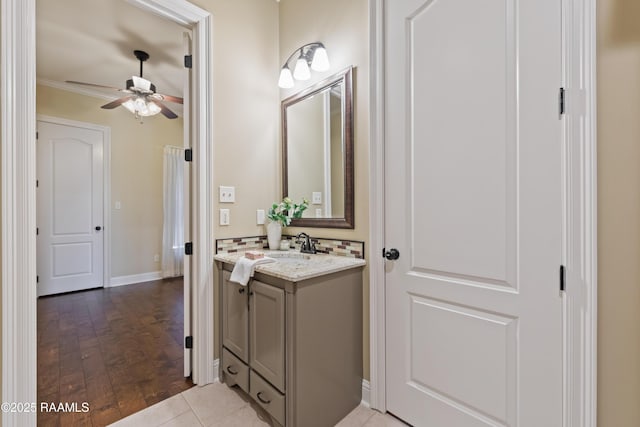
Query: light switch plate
[225,217]
[260,216]
[316,198]
[227,194]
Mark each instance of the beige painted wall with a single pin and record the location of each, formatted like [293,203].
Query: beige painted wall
[618,212]
[343,27]
[136,174]
[246,116]
[246,111]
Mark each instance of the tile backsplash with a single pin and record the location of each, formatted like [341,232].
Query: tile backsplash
[339,247]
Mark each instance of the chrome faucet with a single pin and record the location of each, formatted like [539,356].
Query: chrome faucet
[307,247]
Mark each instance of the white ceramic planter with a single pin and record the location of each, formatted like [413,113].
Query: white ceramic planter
[274,235]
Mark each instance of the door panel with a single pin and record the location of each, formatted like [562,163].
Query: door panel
[235,315]
[473,204]
[460,174]
[71,258]
[70,206]
[461,353]
[266,332]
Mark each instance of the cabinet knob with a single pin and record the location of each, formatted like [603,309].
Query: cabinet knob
[241,291]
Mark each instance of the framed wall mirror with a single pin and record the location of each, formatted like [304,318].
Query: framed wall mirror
[317,152]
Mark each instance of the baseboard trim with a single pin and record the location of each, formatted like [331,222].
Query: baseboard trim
[216,371]
[366,394]
[134,278]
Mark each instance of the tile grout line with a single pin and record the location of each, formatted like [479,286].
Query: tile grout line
[164,402]
[191,407]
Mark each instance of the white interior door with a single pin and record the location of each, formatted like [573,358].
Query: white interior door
[70,197]
[187,205]
[474,207]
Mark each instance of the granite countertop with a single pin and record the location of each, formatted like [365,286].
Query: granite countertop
[295,266]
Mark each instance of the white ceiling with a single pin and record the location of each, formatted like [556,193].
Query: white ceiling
[93,41]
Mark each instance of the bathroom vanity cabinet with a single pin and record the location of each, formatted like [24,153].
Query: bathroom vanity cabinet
[295,346]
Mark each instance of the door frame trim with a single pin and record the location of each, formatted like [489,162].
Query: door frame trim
[106,185]
[18,201]
[202,219]
[579,222]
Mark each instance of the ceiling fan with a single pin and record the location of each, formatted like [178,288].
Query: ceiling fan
[141,99]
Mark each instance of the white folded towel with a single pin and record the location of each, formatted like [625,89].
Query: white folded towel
[243,270]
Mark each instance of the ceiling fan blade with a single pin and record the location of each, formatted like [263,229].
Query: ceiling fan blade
[116,103]
[165,111]
[98,86]
[169,98]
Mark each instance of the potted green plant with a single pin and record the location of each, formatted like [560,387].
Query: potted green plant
[281,215]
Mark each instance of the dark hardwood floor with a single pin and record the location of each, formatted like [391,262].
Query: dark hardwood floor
[119,349]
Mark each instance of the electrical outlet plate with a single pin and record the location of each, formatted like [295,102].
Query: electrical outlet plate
[316,198]
[227,194]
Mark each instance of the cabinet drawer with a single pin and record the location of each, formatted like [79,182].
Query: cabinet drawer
[235,371]
[268,397]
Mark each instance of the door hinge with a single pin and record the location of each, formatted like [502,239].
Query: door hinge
[188,248]
[37,183]
[563,278]
[188,61]
[188,342]
[37,279]
[188,155]
[37,135]
[37,231]
[561,101]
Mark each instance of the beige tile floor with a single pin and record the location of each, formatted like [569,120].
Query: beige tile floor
[217,405]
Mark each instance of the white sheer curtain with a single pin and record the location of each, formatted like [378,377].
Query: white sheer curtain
[173,229]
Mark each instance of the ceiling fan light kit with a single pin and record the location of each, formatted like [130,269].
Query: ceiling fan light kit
[142,99]
[141,108]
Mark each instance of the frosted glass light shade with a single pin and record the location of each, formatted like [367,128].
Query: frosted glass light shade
[142,107]
[301,72]
[320,60]
[286,79]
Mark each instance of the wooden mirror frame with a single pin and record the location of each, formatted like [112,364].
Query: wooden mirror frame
[347,126]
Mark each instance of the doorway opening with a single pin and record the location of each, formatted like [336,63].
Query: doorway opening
[18,194]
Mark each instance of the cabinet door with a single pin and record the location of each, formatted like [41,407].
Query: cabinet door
[235,318]
[267,333]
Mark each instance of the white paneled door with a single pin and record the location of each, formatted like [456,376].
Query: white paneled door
[69,208]
[474,209]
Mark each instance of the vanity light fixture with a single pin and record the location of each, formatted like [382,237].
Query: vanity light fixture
[311,54]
